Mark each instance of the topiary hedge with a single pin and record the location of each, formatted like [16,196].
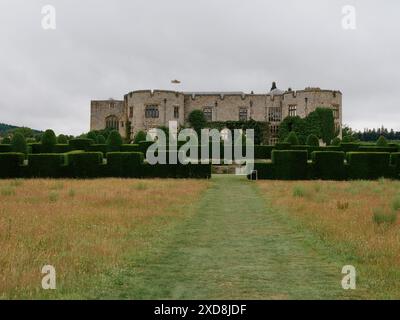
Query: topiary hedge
[263,152]
[328,165]
[368,165]
[290,164]
[5,148]
[85,164]
[395,161]
[265,171]
[51,165]
[62,148]
[80,144]
[377,149]
[124,164]
[97,148]
[11,164]
[130,148]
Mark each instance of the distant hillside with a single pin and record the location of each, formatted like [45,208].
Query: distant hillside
[4,128]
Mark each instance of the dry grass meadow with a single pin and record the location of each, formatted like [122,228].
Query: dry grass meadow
[81,227]
[357,218]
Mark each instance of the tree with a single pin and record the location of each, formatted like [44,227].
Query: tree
[327,123]
[381,142]
[49,140]
[139,137]
[312,140]
[62,139]
[25,131]
[197,120]
[92,135]
[18,143]
[336,141]
[6,140]
[295,124]
[114,141]
[101,139]
[292,139]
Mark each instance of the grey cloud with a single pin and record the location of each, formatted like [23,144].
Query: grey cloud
[104,49]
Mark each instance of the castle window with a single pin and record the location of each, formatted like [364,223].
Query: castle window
[112,123]
[152,111]
[292,110]
[274,129]
[176,112]
[130,112]
[336,112]
[208,113]
[275,114]
[243,114]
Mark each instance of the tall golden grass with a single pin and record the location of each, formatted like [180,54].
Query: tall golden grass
[342,213]
[81,227]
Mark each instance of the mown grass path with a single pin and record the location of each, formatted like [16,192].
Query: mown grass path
[233,247]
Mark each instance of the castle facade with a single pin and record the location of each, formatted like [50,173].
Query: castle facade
[146,109]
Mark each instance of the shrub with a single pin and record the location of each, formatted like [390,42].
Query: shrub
[349,147]
[130,148]
[328,165]
[53,196]
[92,135]
[381,217]
[49,140]
[6,140]
[18,143]
[85,164]
[282,146]
[381,142]
[46,165]
[290,165]
[35,147]
[144,145]
[263,152]
[5,148]
[62,139]
[124,164]
[395,161]
[80,144]
[98,148]
[368,165]
[376,149]
[10,164]
[101,139]
[139,137]
[265,171]
[62,148]
[312,140]
[292,139]
[336,141]
[114,141]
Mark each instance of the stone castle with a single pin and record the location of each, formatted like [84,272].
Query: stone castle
[146,109]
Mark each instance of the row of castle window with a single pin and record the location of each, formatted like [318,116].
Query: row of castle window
[274,113]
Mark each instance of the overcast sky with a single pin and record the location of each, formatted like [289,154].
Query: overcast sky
[102,49]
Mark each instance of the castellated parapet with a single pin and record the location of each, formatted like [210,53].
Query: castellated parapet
[146,109]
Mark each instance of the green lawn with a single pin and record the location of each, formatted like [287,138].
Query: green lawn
[234,246]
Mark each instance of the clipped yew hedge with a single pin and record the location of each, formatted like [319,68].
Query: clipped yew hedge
[368,165]
[328,165]
[11,164]
[124,164]
[46,165]
[290,164]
